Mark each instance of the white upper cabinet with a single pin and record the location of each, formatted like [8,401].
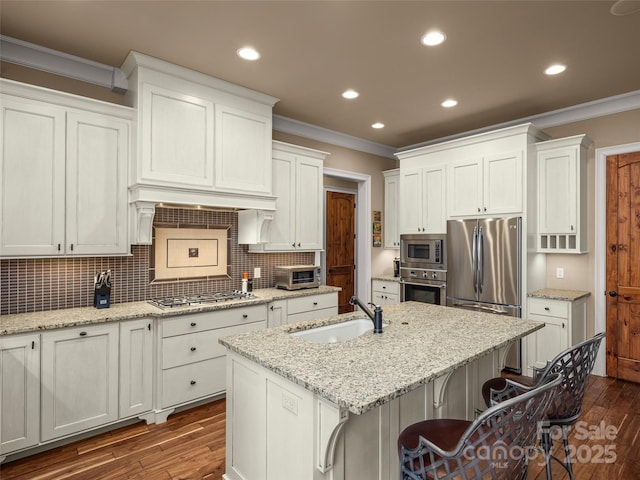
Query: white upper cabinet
[176,138]
[198,136]
[422,200]
[243,151]
[562,191]
[487,185]
[297,183]
[63,174]
[391,208]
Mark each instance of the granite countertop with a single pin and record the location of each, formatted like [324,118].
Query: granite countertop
[558,294]
[71,317]
[386,278]
[421,343]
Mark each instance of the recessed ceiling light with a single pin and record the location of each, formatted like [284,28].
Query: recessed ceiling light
[377,125]
[449,103]
[248,53]
[350,94]
[433,38]
[625,7]
[555,69]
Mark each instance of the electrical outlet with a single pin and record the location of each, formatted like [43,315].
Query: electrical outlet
[256,272]
[559,272]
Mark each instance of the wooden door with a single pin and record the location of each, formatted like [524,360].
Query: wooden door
[623,266]
[340,253]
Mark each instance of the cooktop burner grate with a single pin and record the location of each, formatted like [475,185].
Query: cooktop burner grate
[198,299]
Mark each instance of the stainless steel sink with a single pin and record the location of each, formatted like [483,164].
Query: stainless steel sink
[338,332]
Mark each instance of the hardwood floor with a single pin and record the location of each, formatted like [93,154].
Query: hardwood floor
[191,445]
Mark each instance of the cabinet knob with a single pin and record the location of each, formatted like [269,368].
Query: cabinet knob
[572,228]
[244,315]
[193,324]
[193,382]
[384,287]
[193,349]
[315,304]
[546,308]
[298,243]
[293,244]
[485,209]
[83,334]
[479,210]
[271,308]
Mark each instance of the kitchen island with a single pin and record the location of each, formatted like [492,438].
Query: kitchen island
[304,410]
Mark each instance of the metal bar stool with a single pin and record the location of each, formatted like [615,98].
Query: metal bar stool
[495,445]
[575,364]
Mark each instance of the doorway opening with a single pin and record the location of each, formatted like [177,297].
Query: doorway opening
[363,249]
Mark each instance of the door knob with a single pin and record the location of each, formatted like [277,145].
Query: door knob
[613,293]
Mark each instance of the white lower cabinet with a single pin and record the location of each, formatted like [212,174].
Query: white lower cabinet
[136,367]
[565,325]
[191,362]
[312,307]
[385,292]
[79,379]
[277,313]
[20,394]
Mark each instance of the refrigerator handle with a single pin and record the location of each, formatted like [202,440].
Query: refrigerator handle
[480,259]
[474,259]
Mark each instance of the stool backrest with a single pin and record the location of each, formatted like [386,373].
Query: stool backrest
[575,364]
[496,445]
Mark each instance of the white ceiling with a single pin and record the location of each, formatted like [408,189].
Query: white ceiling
[492,61]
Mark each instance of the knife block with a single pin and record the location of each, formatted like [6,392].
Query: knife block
[102,297]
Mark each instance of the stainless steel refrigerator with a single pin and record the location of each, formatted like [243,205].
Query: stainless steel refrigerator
[483,269]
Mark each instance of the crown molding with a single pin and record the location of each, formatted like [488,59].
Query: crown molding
[306,130]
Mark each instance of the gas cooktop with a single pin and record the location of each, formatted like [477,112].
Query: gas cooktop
[198,299]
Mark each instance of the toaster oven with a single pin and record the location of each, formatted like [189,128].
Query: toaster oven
[294,277]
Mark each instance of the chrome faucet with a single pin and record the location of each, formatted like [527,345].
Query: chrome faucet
[375,316]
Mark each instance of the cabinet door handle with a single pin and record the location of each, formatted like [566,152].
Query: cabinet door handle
[271,308]
[59,247]
[315,304]
[193,324]
[546,308]
[293,244]
[298,243]
[485,209]
[244,315]
[72,247]
[33,345]
[193,349]
[83,334]
[572,228]
[193,382]
[479,210]
[562,324]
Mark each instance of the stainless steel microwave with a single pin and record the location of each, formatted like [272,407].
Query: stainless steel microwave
[294,277]
[423,250]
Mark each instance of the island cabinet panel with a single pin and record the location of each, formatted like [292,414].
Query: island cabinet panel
[79,379]
[20,394]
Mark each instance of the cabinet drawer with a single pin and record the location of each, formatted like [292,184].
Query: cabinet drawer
[311,303]
[313,315]
[549,308]
[190,382]
[386,287]
[195,347]
[198,322]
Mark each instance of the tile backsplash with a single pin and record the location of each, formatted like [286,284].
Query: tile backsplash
[39,284]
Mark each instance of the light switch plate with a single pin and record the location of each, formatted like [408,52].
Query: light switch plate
[559,272]
[256,272]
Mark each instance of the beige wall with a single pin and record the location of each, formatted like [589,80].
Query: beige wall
[354,161]
[608,131]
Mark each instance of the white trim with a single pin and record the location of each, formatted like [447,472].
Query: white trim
[363,250]
[600,304]
[306,130]
[30,55]
[576,113]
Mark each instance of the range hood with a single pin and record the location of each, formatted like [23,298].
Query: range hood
[254,226]
[143,200]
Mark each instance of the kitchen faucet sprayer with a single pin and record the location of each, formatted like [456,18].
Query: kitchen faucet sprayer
[375,316]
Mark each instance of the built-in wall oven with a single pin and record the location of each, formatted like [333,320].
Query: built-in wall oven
[423,268]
